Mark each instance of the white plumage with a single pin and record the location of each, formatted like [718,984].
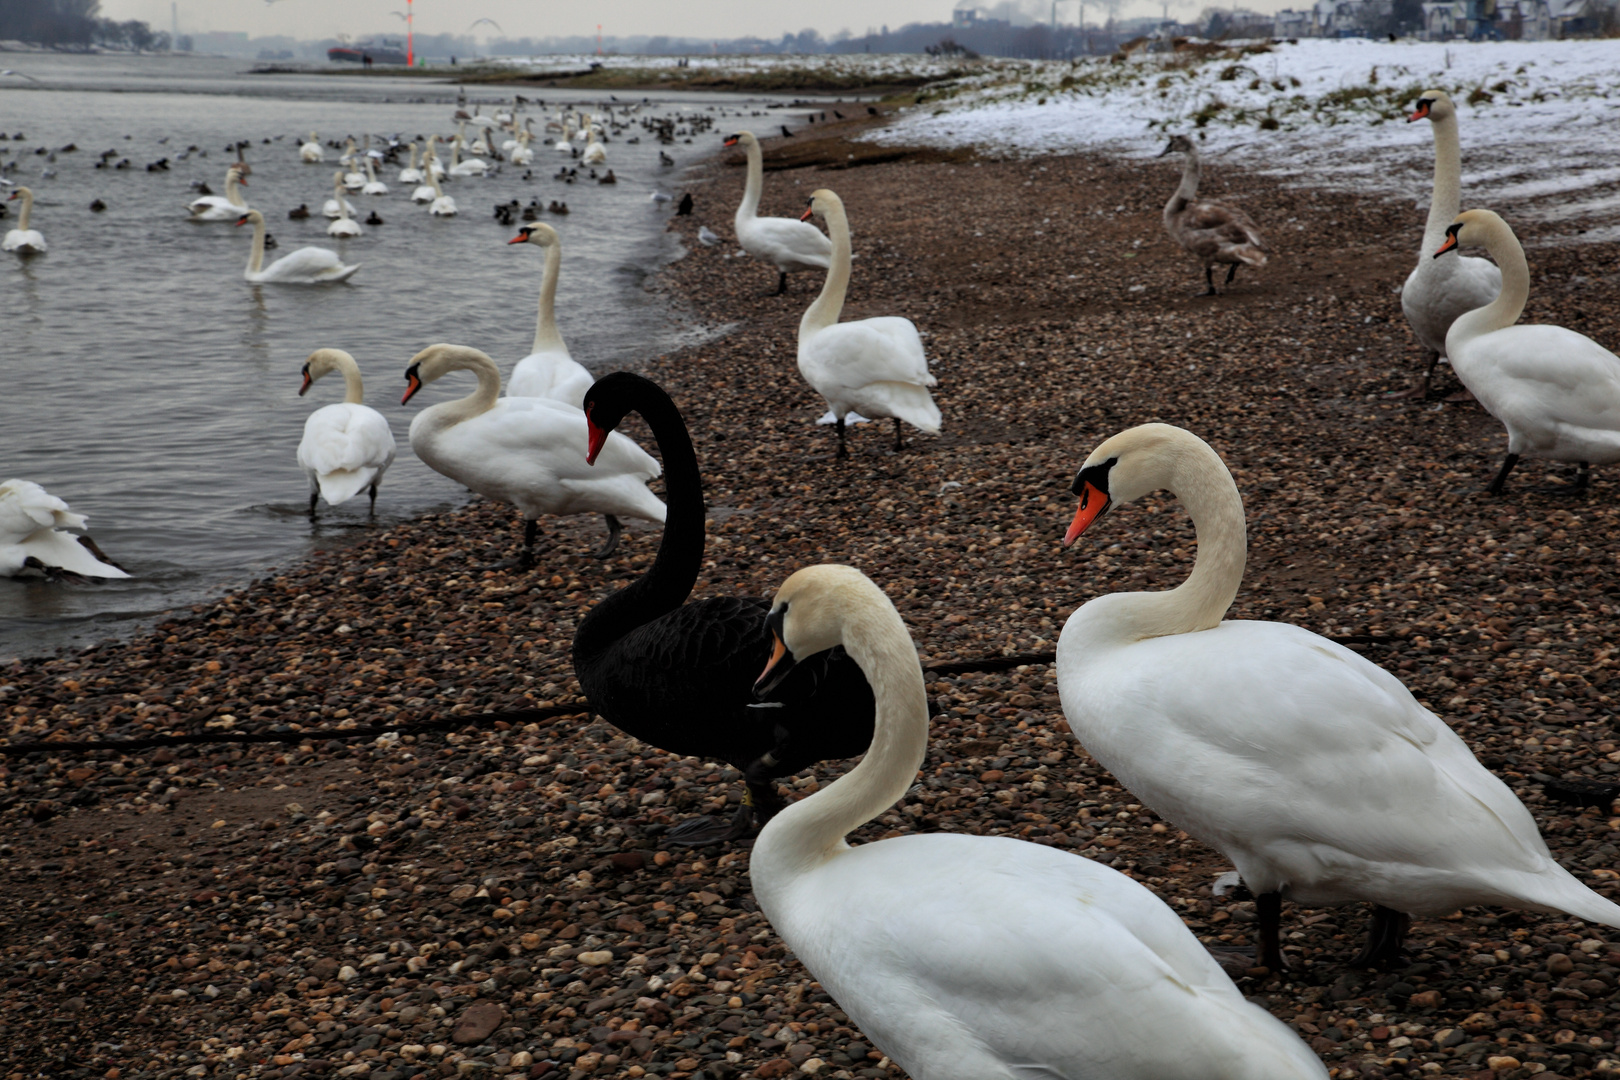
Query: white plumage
[443,205]
[875,367]
[343,225]
[1556,391]
[1437,291]
[983,958]
[32,540]
[312,152]
[22,239]
[226,207]
[306,266]
[1314,770]
[548,371]
[347,446]
[785,243]
[411,174]
[530,452]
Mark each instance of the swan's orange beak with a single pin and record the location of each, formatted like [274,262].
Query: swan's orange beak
[14,195]
[519,239]
[241,181]
[731,140]
[778,651]
[809,212]
[598,440]
[1420,111]
[240,221]
[1092,504]
[1450,243]
[415,382]
[308,382]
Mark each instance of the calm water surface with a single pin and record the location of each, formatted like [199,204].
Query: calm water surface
[155,390]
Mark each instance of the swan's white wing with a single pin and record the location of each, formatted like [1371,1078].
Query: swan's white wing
[874,366]
[348,447]
[308,265]
[29,519]
[1313,769]
[1555,389]
[968,956]
[788,243]
[27,240]
[554,375]
[26,507]
[1439,290]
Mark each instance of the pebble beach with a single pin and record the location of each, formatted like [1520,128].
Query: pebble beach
[498,902]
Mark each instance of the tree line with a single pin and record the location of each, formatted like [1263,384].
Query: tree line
[75,24]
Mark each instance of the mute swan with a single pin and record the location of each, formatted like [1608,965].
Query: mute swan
[782,242]
[595,153]
[343,225]
[1314,770]
[22,239]
[1439,290]
[347,446]
[522,154]
[411,174]
[32,541]
[679,673]
[442,205]
[970,957]
[530,452]
[548,371]
[226,207]
[338,206]
[353,178]
[425,191]
[875,367]
[312,153]
[306,266]
[465,167]
[373,186]
[1213,231]
[1557,392]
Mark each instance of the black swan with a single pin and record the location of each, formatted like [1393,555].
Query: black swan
[679,675]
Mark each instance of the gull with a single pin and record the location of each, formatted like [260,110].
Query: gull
[707,236]
[18,74]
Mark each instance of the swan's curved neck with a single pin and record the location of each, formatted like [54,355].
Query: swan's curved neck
[829,305]
[413,155]
[546,336]
[337,193]
[354,390]
[668,582]
[1505,310]
[1191,172]
[256,256]
[233,190]
[1446,200]
[812,830]
[478,402]
[749,206]
[433,178]
[27,209]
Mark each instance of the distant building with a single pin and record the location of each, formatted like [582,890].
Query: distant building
[1578,18]
[1444,19]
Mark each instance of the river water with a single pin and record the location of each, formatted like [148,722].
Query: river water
[155,390]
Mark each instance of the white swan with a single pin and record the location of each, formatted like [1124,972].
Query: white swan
[975,957]
[338,206]
[595,153]
[343,225]
[373,186]
[1439,290]
[347,446]
[875,367]
[22,239]
[1314,770]
[442,205]
[312,152]
[783,242]
[430,171]
[1557,392]
[353,178]
[1213,231]
[306,266]
[548,371]
[32,540]
[226,207]
[465,167]
[523,153]
[412,174]
[530,452]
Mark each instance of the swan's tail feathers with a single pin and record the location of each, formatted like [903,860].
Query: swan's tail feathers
[911,403]
[1252,254]
[344,484]
[1556,889]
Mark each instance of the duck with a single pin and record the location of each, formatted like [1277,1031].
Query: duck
[548,371]
[1556,391]
[343,224]
[23,240]
[1313,769]
[678,673]
[874,367]
[1213,231]
[33,543]
[299,212]
[306,266]
[965,956]
[411,174]
[312,153]
[97,206]
[442,205]
[530,452]
[374,218]
[785,243]
[226,207]
[1439,290]
[347,446]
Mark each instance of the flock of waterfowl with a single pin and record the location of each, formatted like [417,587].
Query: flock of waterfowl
[972,957]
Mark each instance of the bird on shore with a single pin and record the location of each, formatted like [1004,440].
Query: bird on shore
[548,371]
[981,956]
[874,367]
[347,446]
[33,540]
[1310,767]
[1556,391]
[529,452]
[787,244]
[1214,232]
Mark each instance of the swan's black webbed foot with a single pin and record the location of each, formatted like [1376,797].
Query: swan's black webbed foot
[614,529]
[1385,936]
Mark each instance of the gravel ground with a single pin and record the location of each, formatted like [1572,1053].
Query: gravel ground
[498,902]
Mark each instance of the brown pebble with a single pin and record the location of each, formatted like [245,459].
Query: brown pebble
[478,1023]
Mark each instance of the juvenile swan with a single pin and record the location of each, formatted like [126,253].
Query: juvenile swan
[1214,232]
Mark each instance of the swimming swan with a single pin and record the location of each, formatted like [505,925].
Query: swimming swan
[306,266]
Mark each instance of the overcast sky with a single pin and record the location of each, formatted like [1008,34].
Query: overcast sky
[545,18]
